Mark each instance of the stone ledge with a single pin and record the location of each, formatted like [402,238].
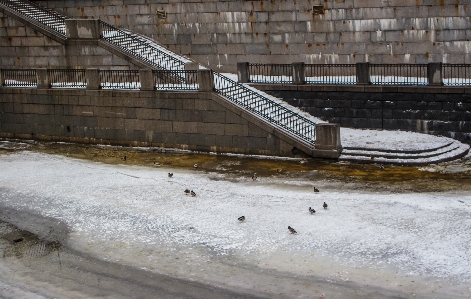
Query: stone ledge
[363,88]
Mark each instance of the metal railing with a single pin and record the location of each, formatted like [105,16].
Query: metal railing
[119,79]
[141,48]
[67,78]
[379,74]
[109,79]
[19,78]
[276,73]
[266,108]
[456,74]
[48,18]
[330,73]
[176,80]
[398,74]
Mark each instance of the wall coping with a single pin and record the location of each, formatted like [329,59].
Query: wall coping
[363,88]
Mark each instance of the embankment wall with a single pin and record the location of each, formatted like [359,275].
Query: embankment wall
[184,120]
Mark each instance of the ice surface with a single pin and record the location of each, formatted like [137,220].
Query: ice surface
[138,215]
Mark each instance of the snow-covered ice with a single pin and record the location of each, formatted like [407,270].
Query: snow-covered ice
[138,216]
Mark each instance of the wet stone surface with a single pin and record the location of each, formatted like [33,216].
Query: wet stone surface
[442,177]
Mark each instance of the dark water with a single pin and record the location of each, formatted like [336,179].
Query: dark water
[442,177]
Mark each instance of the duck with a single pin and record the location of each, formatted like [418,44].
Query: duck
[324,205]
[156,164]
[241,218]
[195,166]
[123,158]
[193,193]
[279,170]
[381,166]
[187,191]
[254,177]
[316,190]
[303,161]
[292,230]
[311,210]
[170,174]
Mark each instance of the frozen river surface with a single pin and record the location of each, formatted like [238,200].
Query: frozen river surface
[411,244]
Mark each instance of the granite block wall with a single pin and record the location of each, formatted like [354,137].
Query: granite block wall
[184,120]
[438,111]
[221,33]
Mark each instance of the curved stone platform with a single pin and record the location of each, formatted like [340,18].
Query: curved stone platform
[396,147]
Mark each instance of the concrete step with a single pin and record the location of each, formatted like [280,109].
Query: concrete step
[452,151]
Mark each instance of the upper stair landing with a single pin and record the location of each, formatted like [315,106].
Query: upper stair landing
[141,48]
[47,21]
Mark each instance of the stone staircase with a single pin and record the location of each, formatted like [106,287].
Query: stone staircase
[281,120]
[451,151]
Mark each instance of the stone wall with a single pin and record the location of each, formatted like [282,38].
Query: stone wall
[221,33]
[185,120]
[442,111]
[24,47]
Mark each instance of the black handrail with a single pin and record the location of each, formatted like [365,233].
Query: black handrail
[67,78]
[456,74]
[48,18]
[277,73]
[398,74]
[175,79]
[141,48]
[19,78]
[267,109]
[120,79]
[330,73]
[380,74]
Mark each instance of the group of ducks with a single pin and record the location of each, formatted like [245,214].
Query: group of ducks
[292,230]
[254,178]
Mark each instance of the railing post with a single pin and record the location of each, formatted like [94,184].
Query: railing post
[1,78]
[205,80]
[298,73]
[92,77]
[243,74]
[190,76]
[82,28]
[43,79]
[147,79]
[328,136]
[434,73]
[363,73]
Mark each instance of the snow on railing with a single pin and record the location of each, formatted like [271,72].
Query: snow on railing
[141,48]
[399,74]
[67,78]
[120,79]
[109,79]
[330,73]
[379,74]
[19,78]
[276,73]
[456,74]
[267,109]
[176,80]
[48,18]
